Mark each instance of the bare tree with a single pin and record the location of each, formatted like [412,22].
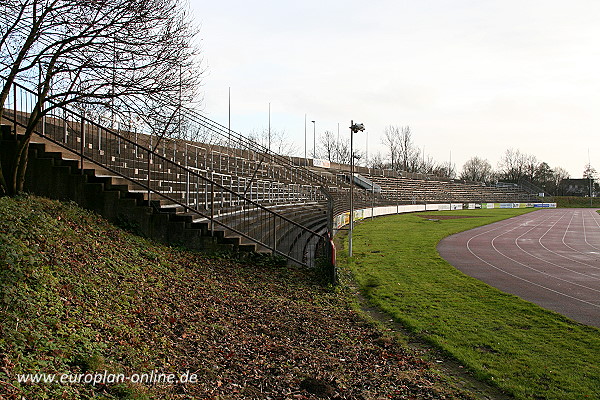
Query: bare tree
[544,177]
[477,170]
[391,140]
[589,172]
[27,24]
[328,144]
[402,151]
[513,165]
[280,144]
[342,151]
[428,165]
[406,149]
[119,56]
[558,176]
[335,149]
[530,166]
[444,170]
[416,161]
[378,162]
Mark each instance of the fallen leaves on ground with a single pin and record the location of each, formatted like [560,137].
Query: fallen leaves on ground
[79,295]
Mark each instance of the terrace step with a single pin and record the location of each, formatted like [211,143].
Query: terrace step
[111,195]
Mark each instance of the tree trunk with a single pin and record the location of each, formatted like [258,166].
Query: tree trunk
[18,165]
[8,167]
[21,165]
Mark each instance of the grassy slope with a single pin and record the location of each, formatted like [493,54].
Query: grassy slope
[79,295]
[522,348]
[576,202]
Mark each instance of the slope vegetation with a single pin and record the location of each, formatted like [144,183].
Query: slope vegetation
[82,299]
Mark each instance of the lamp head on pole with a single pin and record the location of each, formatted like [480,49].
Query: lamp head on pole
[357,127]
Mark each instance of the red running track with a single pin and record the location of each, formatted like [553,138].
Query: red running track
[550,257]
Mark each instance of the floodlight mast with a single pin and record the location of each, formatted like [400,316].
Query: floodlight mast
[354,128]
[314,139]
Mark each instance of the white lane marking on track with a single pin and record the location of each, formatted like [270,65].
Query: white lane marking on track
[584,236]
[541,259]
[560,255]
[586,253]
[521,278]
[593,214]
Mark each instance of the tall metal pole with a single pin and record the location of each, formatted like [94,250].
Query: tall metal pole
[351,188]
[314,139]
[353,128]
[269,127]
[229,117]
[367,148]
[305,158]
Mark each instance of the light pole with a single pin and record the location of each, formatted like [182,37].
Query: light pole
[353,129]
[305,158]
[366,149]
[314,139]
[229,117]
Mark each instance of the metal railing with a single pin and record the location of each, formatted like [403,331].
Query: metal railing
[534,190]
[222,178]
[259,217]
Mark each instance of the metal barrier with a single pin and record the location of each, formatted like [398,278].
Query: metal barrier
[200,193]
[220,177]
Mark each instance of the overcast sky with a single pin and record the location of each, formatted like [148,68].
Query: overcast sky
[470,77]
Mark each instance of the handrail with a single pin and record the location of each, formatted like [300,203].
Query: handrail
[224,131]
[153,157]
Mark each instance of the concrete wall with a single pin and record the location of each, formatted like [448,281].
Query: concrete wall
[343,219]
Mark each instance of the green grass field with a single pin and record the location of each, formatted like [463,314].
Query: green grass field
[525,350]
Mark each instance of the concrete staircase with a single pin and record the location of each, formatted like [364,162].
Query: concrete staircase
[54,173]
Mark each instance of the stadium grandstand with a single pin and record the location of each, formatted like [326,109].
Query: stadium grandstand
[211,188]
